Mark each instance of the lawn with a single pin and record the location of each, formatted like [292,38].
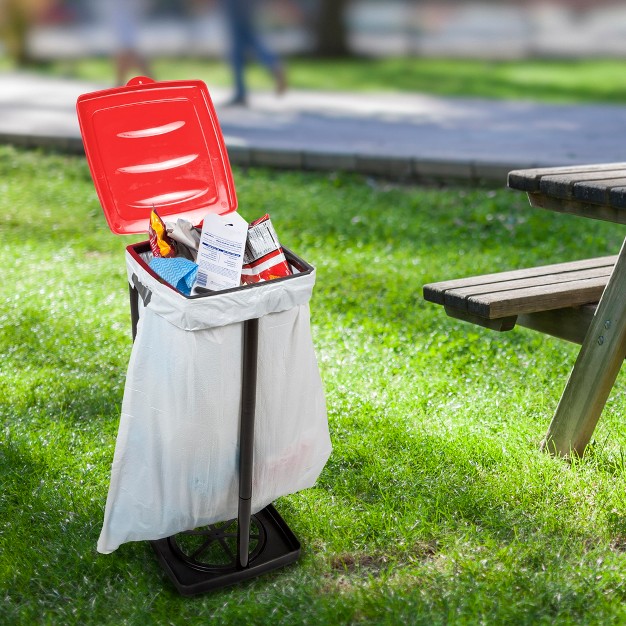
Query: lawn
[436,506]
[551,80]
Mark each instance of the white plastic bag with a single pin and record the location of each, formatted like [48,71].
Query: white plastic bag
[176,457]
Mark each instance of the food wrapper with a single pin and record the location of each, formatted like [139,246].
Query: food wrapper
[161,244]
[264,258]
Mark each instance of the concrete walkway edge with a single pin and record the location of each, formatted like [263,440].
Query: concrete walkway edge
[405,137]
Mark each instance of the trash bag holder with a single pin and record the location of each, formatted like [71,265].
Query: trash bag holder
[158,145]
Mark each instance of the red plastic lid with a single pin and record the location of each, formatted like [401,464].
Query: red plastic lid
[155,145]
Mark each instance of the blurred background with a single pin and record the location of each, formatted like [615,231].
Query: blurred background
[36,31]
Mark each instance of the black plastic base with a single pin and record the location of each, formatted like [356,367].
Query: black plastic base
[206,559]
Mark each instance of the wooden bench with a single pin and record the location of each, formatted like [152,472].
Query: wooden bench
[559,299]
[584,301]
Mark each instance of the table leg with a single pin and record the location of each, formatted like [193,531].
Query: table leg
[595,370]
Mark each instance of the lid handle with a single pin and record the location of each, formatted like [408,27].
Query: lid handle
[139,80]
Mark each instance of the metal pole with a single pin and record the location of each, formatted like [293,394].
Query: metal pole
[134,309]
[246,437]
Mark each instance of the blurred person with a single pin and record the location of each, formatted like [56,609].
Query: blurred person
[245,40]
[125,17]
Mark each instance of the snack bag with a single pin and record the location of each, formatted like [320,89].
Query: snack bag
[264,258]
[161,243]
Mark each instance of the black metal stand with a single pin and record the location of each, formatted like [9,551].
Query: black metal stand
[218,555]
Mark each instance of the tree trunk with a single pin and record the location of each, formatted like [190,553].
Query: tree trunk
[331,32]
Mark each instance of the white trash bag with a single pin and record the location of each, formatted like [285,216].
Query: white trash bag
[176,457]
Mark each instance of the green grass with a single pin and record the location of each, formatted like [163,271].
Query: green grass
[536,79]
[436,506]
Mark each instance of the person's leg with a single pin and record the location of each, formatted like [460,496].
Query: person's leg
[236,23]
[245,40]
[256,45]
[266,57]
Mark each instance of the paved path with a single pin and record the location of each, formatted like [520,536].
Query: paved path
[412,136]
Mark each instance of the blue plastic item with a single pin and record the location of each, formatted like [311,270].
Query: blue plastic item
[178,272]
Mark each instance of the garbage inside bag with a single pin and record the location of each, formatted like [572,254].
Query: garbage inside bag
[187,237]
[226,253]
[220,255]
[264,258]
[178,272]
[160,242]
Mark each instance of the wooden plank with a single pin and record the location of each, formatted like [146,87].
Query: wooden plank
[596,191]
[595,370]
[435,292]
[529,179]
[576,207]
[562,185]
[541,298]
[617,197]
[502,324]
[570,324]
[503,290]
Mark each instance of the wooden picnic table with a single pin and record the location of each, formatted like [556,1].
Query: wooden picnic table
[597,192]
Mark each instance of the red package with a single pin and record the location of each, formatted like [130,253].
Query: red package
[264,258]
[160,242]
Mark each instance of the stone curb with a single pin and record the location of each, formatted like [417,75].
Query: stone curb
[403,169]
